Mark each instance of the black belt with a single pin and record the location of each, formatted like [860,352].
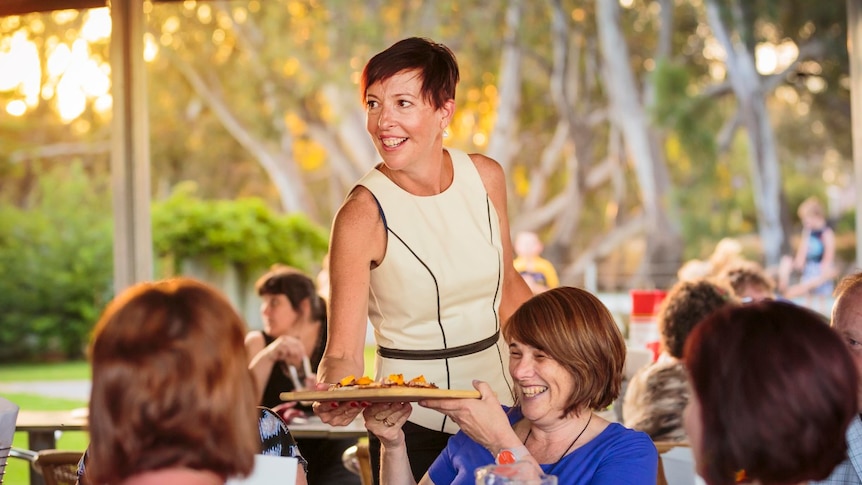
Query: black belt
[437,354]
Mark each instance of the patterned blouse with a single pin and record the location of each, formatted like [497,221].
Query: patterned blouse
[655,399]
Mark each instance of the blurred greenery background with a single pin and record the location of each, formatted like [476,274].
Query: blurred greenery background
[630,140]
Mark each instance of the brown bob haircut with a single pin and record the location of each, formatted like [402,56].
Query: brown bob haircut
[777,389]
[171,386]
[435,62]
[575,329]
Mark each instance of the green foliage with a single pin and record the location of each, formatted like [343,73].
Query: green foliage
[693,118]
[243,232]
[55,266]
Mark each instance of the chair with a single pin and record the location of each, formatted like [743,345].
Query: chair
[57,467]
[275,440]
[666,478]
[275,437]
[357,459]
[362,454]
[8,416]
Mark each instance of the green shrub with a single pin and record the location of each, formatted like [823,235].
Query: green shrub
[243,232]
[55,266]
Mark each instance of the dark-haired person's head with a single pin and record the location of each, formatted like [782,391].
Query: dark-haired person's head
[686,304]
[576,329]
[171,386]
[297,288]
[434,63]
[774,391]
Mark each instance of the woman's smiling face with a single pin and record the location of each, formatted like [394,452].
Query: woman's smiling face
[544,385]
[403,125]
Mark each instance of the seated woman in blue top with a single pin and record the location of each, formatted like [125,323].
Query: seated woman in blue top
[566,360]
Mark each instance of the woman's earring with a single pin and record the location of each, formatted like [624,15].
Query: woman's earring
[445,133]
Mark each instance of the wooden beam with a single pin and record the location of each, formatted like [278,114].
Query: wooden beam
[21,7]
[130,147]
[854,48]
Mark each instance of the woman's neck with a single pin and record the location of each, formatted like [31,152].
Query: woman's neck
[307,332]
[549,444]
[175,476]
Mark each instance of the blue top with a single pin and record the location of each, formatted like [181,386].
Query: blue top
[617,455]
[815,246]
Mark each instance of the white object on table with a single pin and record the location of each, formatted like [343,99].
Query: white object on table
[8,417]
[678,463]
[270,470]
[636,358]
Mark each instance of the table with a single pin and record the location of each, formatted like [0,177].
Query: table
[41,428]
[313,427]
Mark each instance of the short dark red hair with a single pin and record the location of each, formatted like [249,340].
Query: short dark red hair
[777,389]
[435,62]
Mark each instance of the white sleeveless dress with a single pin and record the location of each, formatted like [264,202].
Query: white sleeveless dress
[434,299]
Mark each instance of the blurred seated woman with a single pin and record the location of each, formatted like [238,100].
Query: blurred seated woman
[774,389]
[749,281]
[658,393]
[294,329]
[566,360]
[172,400]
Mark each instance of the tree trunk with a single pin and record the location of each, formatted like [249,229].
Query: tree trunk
[763,155]
[664,243]
[500,146]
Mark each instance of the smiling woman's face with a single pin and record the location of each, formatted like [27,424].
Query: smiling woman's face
[543,384]
[403,125]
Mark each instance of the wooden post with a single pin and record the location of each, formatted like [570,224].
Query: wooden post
[854,48]
[130,150]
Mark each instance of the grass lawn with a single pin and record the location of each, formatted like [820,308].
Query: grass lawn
[56,371]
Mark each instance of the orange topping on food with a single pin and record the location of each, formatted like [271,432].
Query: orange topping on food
[347,381]
[395,379]
[364,381]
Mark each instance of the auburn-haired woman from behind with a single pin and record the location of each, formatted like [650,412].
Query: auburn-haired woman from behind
[774,389]
[172,399]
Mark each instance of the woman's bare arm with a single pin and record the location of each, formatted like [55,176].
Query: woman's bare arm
[515,289]
[356,245]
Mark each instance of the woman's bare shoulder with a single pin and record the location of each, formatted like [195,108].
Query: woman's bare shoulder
[358,209]
[490,171]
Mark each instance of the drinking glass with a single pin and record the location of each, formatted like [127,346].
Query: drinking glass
[520,473]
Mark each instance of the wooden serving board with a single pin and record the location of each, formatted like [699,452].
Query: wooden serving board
[386,394]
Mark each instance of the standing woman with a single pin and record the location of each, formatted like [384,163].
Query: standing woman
[294,329]
[421,247]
